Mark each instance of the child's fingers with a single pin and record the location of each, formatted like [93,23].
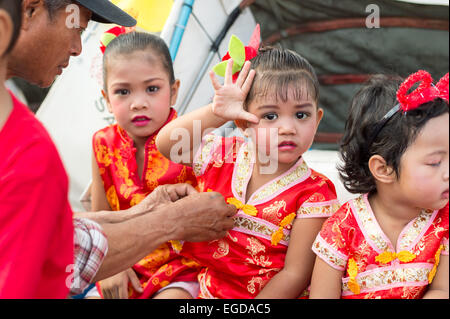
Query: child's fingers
[229,72]
[215,82]
[135,282]
[248,82]
[243,75]
[249,117]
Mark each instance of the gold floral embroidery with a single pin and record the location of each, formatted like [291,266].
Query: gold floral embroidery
[272,213]
[254,248]
[102,152]
[328,254]
[156,258]
[326,210]
[251,287]
[205,281]
[415,229]
[281,183]
[257,228]
[386,276]
[205,152]
[222,250]
[242,170]
[369,224]
[157,169]
[136,199]
[112,198]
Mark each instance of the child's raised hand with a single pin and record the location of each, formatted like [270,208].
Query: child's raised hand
[229,98]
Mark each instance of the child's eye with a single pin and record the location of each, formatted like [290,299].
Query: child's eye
[270,116]
[436,164]
[301,115]
[152,89]
[121,92]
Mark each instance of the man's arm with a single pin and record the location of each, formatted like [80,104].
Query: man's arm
[171,212]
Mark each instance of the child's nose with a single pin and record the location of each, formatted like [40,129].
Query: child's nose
[139,103]
[286,127]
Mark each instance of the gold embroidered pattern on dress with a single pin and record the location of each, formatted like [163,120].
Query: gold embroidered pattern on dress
[327,253]
[256,228]
[222,250]
[112,198]
[205,153]
[414,229]
[297,174]
[369,224]
[254,248]
[325,210]
[243,167]
[387,277]
[272,213]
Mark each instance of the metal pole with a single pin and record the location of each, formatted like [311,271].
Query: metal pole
[214,48]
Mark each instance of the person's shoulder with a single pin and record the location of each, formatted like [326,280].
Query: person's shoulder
[29,144]
[106,132]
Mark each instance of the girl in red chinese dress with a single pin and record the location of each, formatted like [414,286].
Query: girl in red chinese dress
[391,242]
[140,89]
[281,202]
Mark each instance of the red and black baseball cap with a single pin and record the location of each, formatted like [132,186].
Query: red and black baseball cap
[105,11]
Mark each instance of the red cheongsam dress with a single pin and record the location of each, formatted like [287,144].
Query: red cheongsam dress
[241,264]
[115,154]
[352,241]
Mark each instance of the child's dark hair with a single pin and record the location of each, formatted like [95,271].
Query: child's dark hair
[368,107]
[278,70]
[139,41]
[14,9]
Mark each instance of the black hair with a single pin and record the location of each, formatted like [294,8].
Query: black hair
[279,69]
[14,9]
[139,41]
[368,107]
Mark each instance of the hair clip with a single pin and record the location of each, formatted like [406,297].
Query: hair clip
[239,53]
[424,93]
[111,34]
[442,86]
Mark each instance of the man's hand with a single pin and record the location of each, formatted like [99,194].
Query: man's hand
[200,217]
[163,195]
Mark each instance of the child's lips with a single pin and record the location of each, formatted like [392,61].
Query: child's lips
[445,194]
[287,146]
[140,120]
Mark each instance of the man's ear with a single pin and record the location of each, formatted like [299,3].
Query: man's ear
[29,10]
[6,31]
[106,97]
[380,170]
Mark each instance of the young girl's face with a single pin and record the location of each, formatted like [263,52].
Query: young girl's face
[286,129]
[424,167]
[139,93]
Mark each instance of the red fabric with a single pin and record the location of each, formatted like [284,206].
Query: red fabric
[115,155]
[241,264]
[36,228]
[353,232]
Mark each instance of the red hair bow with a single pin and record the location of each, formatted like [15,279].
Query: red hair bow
[426,92]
